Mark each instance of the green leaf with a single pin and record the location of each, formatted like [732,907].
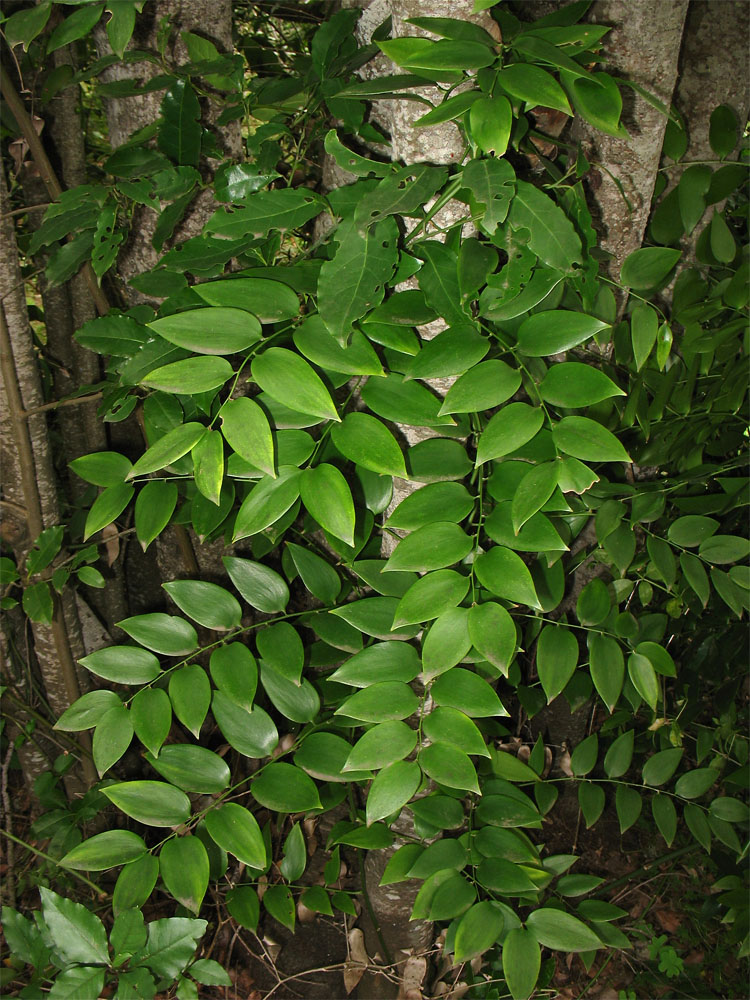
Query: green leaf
[534,490]
[75,26]
[448,725]
[298,702]
[553,238]
[598,100]
[112,737]
[628,804]
[556,657]
[183,864]
[270,301]
[269,500]
[665,817]
[87,711]
[522,959]
[313,340]
[433,546]
[401,400]
[135,883]
[594,603]
[346,158]
[447,642]
[326,495]
[586,439]
[236,831]
[188,378]
[77,934]
[618,758]
[120,26]
[295,855]
[693,784]
[506,575]
[368,442]
[509,429]
[392,788]
[493,634]
[324,756]
[448,109]
[490,122]
[660,659]
[574,385]
[723,131]
[190,694]
[557,330]
[166,634]
[561,931]
[644,679]
[285,788]
[449,765]
[206,603]
[151,717]
[103,468]
[644,325]
[282,209]
[722,549]
[210,330]
[607,666]
[691,195]
[180,133]
[105,850]
[317,575]
[380,746]
[153,803]
[154,507]
[466,691]
[76,982]
[281,648]
[171,945]
[37,602]
[23,26]
[209,973]
[244,906]
[261,586]
[353,281]
[439,811]
[486,385]
[192,768]
[421,53]
[123,664]
[235,673]
[534,85]
[383,661]
[278,900]
[175,443]
[381,702]
[402,192]
[659,769]
[430,596]
[449,353]
[285,375]
[107,507]
[438,279]
[584,757]
[648,267]
[692,529]
[436,502]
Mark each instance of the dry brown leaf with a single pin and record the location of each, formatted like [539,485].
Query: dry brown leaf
[668,920]
[412,977]
[111,542]
[358,959]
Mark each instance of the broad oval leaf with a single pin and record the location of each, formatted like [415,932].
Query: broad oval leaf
[392,789]
[108,506]
[574,385]
[313,340]
[269,500]
[383,661]
[449,725]
[467,692]
[285,788]
[534,85]
[190,694]
[206,603]
[192,768]
[555,331]
[561,931]
[123,664]
[153,803]
[485,385]
[105,850]
[262,587]
[235,673]
[586,439]
[430,596]
[506,575]
[151,715]
[381,702]
[166,634]
[382,745]
[433,546]
[168,449]
[270,301]
[556,657]
[250,732]
[324,755]
[286,376]
[112,738]
[236,831]
[522,960]
[367,441]
[102,468]
[450,766]
[184,867]
[326,495]
[647,267]
[246,430]
[607,666]
[87,710]
[493,634]
[513,426]
[190,377]
[209,331]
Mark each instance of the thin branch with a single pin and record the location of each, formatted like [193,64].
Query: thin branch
[71,401]
[46,172]
[48,857]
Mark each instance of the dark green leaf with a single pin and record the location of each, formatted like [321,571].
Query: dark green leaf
[183,864]
[192,768]
[153,803]
[206,603]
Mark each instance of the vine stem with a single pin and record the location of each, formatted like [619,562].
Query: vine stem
[48,857]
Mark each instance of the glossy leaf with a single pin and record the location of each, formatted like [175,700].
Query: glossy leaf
[513,426]
[192,768]
[392,789]
[153,803]
[123,664]
[165,634]
[269,500]
[236,830]
[505,574]
[261,586]
[586,439]
[326,495]
[190,694]
[367,441]
[285,376]
[183,864]
[574,385]
[522,959]
[206,603]
[105,850]
[246,430]
[151,716]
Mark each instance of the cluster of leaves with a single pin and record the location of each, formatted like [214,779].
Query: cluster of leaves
[272,399]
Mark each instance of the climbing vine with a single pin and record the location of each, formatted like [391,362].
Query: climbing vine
[575,529]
